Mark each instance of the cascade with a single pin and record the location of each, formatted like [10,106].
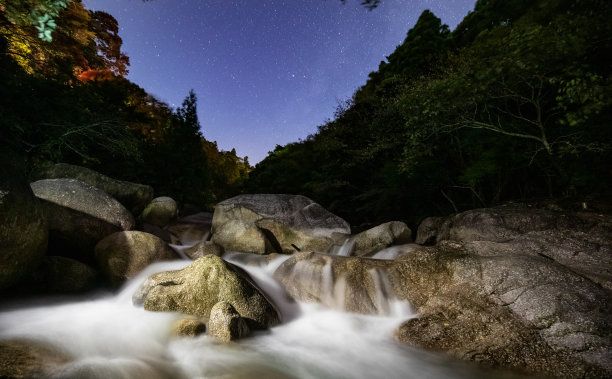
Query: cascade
[107,336]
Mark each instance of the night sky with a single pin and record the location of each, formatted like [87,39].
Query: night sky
[266,72]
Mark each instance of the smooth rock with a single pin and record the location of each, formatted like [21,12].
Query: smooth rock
[225,323]
[380,237]
[79,216]
[269,223]
[23,227]
[580,241]
[195,289]
[122,255]
[133,196]
[505,309]
[161,211]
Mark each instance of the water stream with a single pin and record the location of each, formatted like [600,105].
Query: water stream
[106,336]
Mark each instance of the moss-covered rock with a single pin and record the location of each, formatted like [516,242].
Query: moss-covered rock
[161,211]
[196,289]
[225,323]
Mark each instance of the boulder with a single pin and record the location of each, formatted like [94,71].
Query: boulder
[349,284]
[165,235]
[580,241]
[62,275]
[23,227]
[195,289]
[122,255]
[132,195]
[203,248]
[79,216]
[506,309]
[225,323]
[29,359]
[380,237]
[160,211]
[270,223]
[188,327]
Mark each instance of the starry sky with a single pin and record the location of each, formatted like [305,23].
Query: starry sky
[266,72]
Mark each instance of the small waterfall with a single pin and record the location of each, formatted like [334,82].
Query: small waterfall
[386,301]
[345,250]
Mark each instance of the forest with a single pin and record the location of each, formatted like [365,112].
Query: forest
[513,104]
[65,98]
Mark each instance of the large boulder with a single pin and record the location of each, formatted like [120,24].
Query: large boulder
[270,223]
[505,308]
[132,195]
[380,237]
[580,241]
[160,211]
[122,255]
[79,216]
[195,290]
[23,227]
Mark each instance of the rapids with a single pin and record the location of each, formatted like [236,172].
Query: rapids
[106,336]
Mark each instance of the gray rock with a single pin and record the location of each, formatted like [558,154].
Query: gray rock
[225,323]
[122,255]
[23,227]
[79,215]
[195,289]
[132,195]
[161,211]
[382,236]
[505,309]
[270,223]
[580,241]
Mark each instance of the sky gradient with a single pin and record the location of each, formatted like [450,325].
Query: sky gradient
[266,72]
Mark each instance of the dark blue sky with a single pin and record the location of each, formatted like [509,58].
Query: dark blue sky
[266,72]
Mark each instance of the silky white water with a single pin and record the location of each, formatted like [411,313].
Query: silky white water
[109,337]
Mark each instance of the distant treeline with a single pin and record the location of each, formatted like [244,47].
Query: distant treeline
[64,98]
[515,103]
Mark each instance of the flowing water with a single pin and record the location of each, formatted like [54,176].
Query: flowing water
[108,337]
